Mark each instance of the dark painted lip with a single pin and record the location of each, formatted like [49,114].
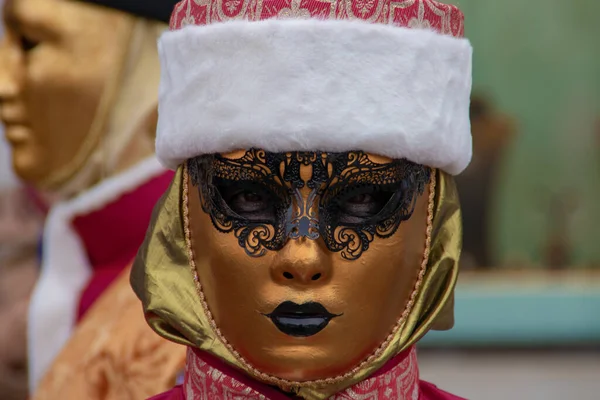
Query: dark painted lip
[301,320]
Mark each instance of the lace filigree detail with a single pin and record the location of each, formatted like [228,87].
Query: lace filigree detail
[329,210]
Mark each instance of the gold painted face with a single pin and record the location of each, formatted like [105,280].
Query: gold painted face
[56,59]
[307,260]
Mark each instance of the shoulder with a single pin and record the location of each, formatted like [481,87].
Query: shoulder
[174,394]
[432,392]
[115,347]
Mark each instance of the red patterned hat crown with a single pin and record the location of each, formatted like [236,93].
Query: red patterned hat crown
[430,14]
[389,77]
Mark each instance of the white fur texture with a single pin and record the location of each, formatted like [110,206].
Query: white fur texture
[286,85]
[66,269]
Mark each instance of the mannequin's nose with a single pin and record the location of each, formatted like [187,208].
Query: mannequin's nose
[9,85]
[302,262]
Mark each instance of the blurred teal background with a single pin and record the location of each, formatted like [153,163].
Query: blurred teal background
[539,61]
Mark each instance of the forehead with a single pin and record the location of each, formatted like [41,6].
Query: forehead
[30,10]
[57,16]
[373,157]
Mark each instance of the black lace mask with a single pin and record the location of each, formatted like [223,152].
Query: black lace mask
[351,201]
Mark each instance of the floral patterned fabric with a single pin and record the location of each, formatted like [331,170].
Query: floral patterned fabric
[113,354]
[426,14]
[209,378]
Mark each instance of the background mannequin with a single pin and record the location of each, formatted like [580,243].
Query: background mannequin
[20,225]
[78,93]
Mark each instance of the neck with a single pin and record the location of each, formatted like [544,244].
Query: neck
[97,169]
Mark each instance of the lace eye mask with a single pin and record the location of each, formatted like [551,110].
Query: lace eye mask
[348,200]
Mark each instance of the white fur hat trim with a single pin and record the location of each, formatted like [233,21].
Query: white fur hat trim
[307,85]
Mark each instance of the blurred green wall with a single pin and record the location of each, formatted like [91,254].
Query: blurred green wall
[539,60]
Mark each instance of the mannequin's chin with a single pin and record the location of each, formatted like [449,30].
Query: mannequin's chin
[301,364]
[31,165]
[28,166]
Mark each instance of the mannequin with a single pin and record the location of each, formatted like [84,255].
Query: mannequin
[78,97]
[312,233]
[20,225]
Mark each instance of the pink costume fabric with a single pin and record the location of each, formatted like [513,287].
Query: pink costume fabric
[113,234]
[207,377]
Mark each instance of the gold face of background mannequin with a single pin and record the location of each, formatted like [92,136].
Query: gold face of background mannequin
[57,58]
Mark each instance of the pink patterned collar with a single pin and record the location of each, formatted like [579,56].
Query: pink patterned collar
[207,377]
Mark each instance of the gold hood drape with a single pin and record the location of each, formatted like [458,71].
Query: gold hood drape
[164,282]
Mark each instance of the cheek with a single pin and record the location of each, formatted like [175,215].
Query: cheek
[230,277]
[61,109]
[30,160]
[64,84]
[63,97]
[379,285]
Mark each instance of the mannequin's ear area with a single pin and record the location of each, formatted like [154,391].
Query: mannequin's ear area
[445,320]
[150,123]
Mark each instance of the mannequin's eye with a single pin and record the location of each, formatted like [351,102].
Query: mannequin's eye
[248,200]
[360,205]
[28,44]
[364,198]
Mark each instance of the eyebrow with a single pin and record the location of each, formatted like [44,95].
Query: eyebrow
[13,20]
[9,16]
[381,171]
[242,171]
[16,20]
